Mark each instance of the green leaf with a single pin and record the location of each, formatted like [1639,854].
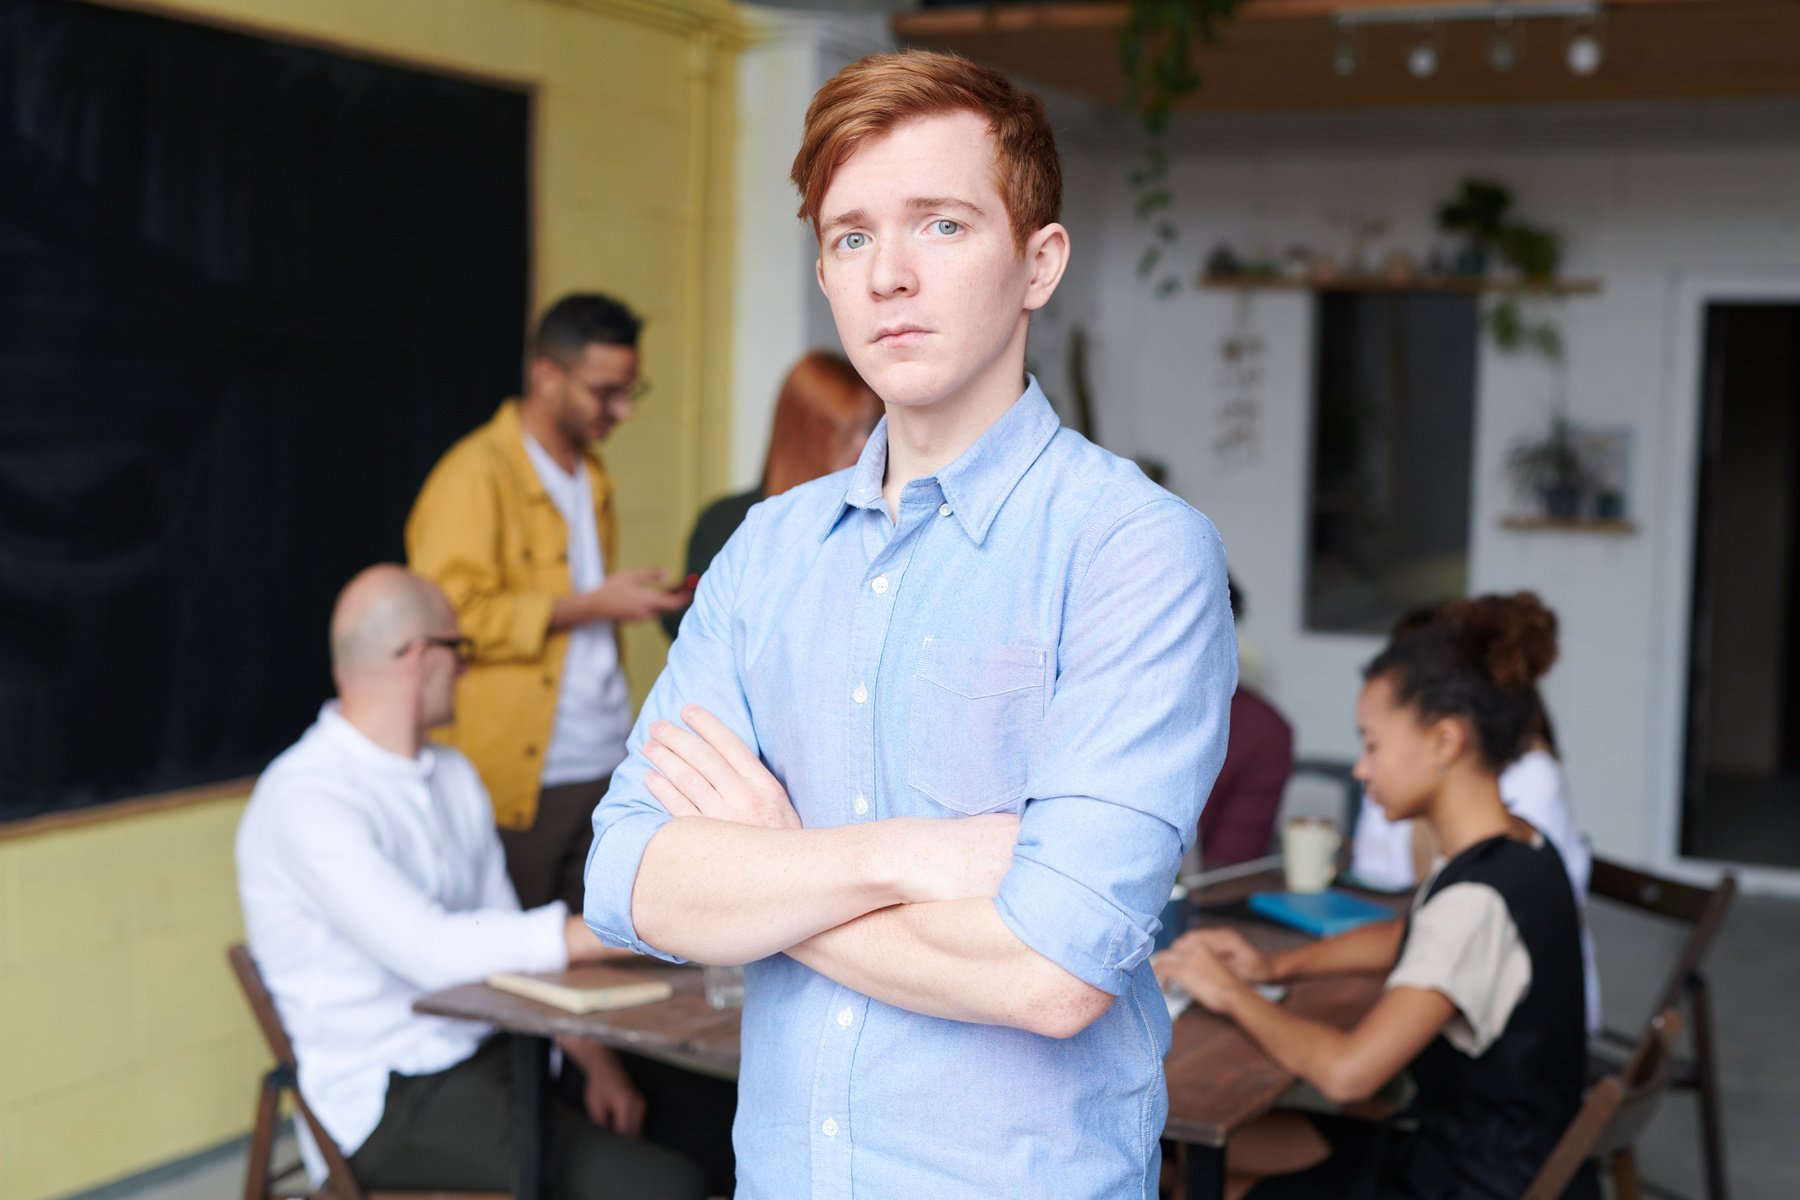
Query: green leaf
[1147,263]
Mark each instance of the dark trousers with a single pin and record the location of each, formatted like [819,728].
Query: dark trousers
[453,1130]
[546,861]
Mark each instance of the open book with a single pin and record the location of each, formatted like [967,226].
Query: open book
[585,989]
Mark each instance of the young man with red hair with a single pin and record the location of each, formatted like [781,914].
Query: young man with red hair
[938,730]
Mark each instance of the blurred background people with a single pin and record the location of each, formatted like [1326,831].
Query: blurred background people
[1397,854]
[518,524]
[1239,817]
[823,418]
[370,874]
[1482,1005]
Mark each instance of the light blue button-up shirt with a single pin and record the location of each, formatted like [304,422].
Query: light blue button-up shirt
[1042,631]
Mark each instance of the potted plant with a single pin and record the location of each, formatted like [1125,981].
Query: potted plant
[1552,469]
[1476,214]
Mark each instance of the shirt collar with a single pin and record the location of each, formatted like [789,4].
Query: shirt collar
[356,744]
[980,479]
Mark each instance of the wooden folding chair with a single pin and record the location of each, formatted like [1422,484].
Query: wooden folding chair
[262,1183]
[1614,1114]
[1703,910]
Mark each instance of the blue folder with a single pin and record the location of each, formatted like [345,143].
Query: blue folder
[1321,914]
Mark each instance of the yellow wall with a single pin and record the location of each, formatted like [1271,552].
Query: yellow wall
[123,1042]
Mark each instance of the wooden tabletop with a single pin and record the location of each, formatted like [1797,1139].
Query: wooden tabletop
[1218,1079]
[682,1024]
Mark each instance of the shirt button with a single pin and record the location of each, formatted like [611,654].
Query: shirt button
[846,1016]
[879,584]
[860,695]
[829,1128]
[861,805]
[943,510]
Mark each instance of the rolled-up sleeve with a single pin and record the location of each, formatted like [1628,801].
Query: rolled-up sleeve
[702,669]
[1132,739]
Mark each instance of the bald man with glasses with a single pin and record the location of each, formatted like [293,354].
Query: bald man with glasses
[370,874]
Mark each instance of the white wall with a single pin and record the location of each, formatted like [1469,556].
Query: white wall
[781,313]
[1639,217]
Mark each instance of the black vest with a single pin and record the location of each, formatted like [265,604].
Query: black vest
[1486,1125]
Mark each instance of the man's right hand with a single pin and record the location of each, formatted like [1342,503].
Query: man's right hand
[632,594]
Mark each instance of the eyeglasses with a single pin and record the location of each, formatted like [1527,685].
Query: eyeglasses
[462,647]
[629,393]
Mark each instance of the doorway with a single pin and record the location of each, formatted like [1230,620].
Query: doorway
[1741,770]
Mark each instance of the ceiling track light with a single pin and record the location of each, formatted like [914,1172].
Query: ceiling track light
[1583,52]
[1504,45]
[1422,59]
[1344,58]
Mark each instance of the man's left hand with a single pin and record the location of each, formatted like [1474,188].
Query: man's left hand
[710,772]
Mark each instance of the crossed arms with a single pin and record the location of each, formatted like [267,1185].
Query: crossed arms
[1035,923]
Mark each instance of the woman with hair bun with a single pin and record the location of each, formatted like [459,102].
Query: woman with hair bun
[823,418]
[1398,853]
[1483,999]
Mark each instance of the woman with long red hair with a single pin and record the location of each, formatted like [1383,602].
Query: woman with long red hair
[823,418]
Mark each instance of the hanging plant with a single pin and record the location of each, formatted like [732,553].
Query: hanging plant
[1156,52]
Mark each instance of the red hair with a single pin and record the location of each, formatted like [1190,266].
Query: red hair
[868,98]
[822,399]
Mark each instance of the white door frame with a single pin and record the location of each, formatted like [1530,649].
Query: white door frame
[1685,352]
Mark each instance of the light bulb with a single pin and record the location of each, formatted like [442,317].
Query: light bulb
[1502,53]
[1422,60]
[1584,53]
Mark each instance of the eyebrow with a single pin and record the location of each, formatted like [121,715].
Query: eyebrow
[859,216]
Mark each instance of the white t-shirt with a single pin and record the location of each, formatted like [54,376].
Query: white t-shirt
[1533,789]
[593,706]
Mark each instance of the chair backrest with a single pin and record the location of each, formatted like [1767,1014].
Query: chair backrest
[341,1181]
[1701,908]
[1616,1110]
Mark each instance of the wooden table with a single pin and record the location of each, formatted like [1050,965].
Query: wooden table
[1218,1080]
[683,1025]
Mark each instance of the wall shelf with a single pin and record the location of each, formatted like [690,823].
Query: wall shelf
[1453,284]
[1617,526]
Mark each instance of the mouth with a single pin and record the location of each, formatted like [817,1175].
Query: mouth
[896,336]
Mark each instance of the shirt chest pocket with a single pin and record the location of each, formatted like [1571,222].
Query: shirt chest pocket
[975,710]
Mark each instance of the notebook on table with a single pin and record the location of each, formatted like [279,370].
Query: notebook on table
[1321,914]
[585,989]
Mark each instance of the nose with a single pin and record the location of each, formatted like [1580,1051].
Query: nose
[892,273]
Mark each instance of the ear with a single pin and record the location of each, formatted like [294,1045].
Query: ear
[1047,254]
[819,274]
[543,374]
[1450,739]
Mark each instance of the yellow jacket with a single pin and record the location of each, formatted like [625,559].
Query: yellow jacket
[485,531]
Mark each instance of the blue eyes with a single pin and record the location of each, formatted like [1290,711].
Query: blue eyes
[943,227]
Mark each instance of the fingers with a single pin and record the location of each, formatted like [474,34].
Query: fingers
[670,797]
[695,754]
[720,737]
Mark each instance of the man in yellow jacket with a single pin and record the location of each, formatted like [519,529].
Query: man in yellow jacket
[517,524]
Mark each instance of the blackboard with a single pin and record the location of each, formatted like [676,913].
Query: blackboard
[249,291]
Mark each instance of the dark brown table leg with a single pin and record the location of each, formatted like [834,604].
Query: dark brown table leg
[1205,1172]
[531,1085]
